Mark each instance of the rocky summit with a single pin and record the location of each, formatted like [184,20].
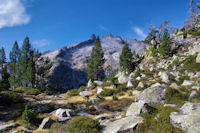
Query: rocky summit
[69,63]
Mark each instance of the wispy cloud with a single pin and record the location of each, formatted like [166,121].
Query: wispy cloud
[41,43]
[103,28]
[13,13]
[139,32]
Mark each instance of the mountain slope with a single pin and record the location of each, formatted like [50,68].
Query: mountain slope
[69,63]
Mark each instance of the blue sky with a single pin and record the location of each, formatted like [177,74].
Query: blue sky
[52,24]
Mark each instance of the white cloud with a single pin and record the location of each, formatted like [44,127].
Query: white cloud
[41,43]
[13,13]
[101,27]
[139,32]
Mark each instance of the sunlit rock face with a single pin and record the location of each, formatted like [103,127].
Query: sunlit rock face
[69,63]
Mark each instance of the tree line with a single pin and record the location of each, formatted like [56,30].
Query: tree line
[23,70]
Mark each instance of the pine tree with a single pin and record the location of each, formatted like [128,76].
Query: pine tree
[165,46]
[24,61]
[2,57]
[126,59]
[14,55]
[4,82]
[95,65]
[30,72]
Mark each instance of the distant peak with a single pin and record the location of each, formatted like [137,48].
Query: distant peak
[111,37]
[92,37]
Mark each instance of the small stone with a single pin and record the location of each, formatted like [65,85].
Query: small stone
[187,83]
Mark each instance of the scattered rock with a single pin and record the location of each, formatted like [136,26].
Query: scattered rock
[192,94]
[174,85]
[131,83]
[63,114]
[101,108]
[136,92]
[46,123]
[104,116]
[124,124]
[98,83]
[164,76]
[169,105]
[99,90]
[187,83]
[95,100]
[83,113]
[188,118]
[123,78]
[141,85]
[153,94]
[85,93]
[89,84]
[4,126]
[82,106]
[138,107]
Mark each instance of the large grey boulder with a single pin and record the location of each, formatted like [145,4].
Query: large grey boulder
[153,94]
[64,114]
[46,123]
[188,119]
[124,124]
[85,93]
[135,108]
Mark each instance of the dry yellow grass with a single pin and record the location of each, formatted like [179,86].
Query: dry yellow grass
[41,131]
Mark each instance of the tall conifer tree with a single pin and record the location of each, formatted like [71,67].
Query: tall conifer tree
[95,65]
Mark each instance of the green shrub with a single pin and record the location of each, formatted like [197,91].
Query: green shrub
[174,96]
[154,51]
[190,63]
[137,72]
[72,92]
[10,97]
[28,115]
[82,88]
[107,92]
[158,121]
[27,90]
[57,128]
[114,97]
[122,88]
[83,124]
[194,33]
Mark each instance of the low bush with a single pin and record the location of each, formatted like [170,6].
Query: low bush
[10,97]
[190,63]
[158,121]
[194,33]
[28,115]
[73,92]
[27,90]
[83,124]
[122,88]
[114,97]
[82,88]
[107,92]
[57,128]
[173,96]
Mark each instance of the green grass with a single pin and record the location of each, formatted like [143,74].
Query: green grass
[73,92]
[190,63]
[158,121]
[10,97]
[27,90]
[173,96]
